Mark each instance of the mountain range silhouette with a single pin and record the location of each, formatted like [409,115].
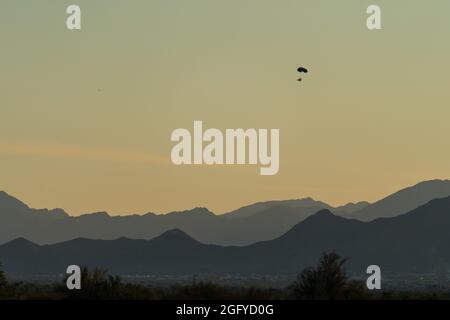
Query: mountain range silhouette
[415,242]
[257,222]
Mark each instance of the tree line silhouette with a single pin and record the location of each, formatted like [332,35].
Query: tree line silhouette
[327,281]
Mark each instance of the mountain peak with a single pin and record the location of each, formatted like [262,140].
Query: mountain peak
[174,235]
[322,222]
[9,203]
[433,208]
[249,210]
[433,181]
[404,200]
[202,210]
[351,207]
[322,214]
[322,217]
[100,214]
[21,243]
[194,211]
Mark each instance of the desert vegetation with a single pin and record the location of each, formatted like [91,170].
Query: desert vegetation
[326,281]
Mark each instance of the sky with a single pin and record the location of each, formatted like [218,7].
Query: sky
[86,116]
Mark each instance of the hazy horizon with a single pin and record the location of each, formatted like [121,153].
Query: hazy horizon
[224,212]
[86,116]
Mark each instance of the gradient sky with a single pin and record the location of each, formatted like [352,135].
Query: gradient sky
[86,116]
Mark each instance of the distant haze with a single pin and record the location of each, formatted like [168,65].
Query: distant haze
[257,222]
[415,242]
